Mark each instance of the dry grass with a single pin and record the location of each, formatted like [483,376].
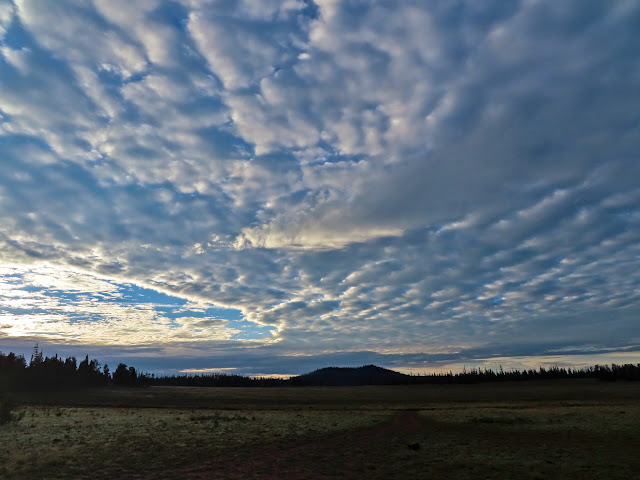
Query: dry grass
[579,430]
[93,442]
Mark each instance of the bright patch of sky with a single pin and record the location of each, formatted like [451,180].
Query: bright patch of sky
[60,306]
[279,185]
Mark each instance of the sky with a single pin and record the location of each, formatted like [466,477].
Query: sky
[270,187]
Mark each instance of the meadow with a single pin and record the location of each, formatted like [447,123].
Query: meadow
[569,429]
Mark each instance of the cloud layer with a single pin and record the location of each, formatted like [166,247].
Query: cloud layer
[441,179]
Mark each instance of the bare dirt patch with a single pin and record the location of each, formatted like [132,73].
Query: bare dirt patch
[426,445]
[352,454]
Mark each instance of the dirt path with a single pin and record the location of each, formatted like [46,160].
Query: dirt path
[410,447]
[351,454]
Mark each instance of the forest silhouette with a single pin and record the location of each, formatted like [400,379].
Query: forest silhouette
[42,372]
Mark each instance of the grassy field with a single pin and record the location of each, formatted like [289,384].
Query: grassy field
[579,429]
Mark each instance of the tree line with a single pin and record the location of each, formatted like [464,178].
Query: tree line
[58,372]
[611,372]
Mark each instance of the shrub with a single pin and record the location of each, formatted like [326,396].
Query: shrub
[7,407]
[5,410]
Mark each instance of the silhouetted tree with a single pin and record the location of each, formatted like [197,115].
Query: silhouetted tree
[36,356]
[133,376]
[125,375]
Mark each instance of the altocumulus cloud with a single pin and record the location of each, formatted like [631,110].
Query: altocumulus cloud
[276,186]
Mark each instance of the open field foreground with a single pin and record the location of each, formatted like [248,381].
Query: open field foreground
[534,430]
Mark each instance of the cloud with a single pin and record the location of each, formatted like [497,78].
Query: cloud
[401,179]
[59,306]
[243,43]
[497,101]
[72,35]
[6,16]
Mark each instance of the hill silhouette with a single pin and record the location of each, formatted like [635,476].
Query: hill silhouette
[57,372]
[350,376]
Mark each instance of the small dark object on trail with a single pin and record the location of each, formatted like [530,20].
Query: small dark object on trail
[413,446]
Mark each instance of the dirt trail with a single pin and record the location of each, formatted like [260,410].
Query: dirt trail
[347,454]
